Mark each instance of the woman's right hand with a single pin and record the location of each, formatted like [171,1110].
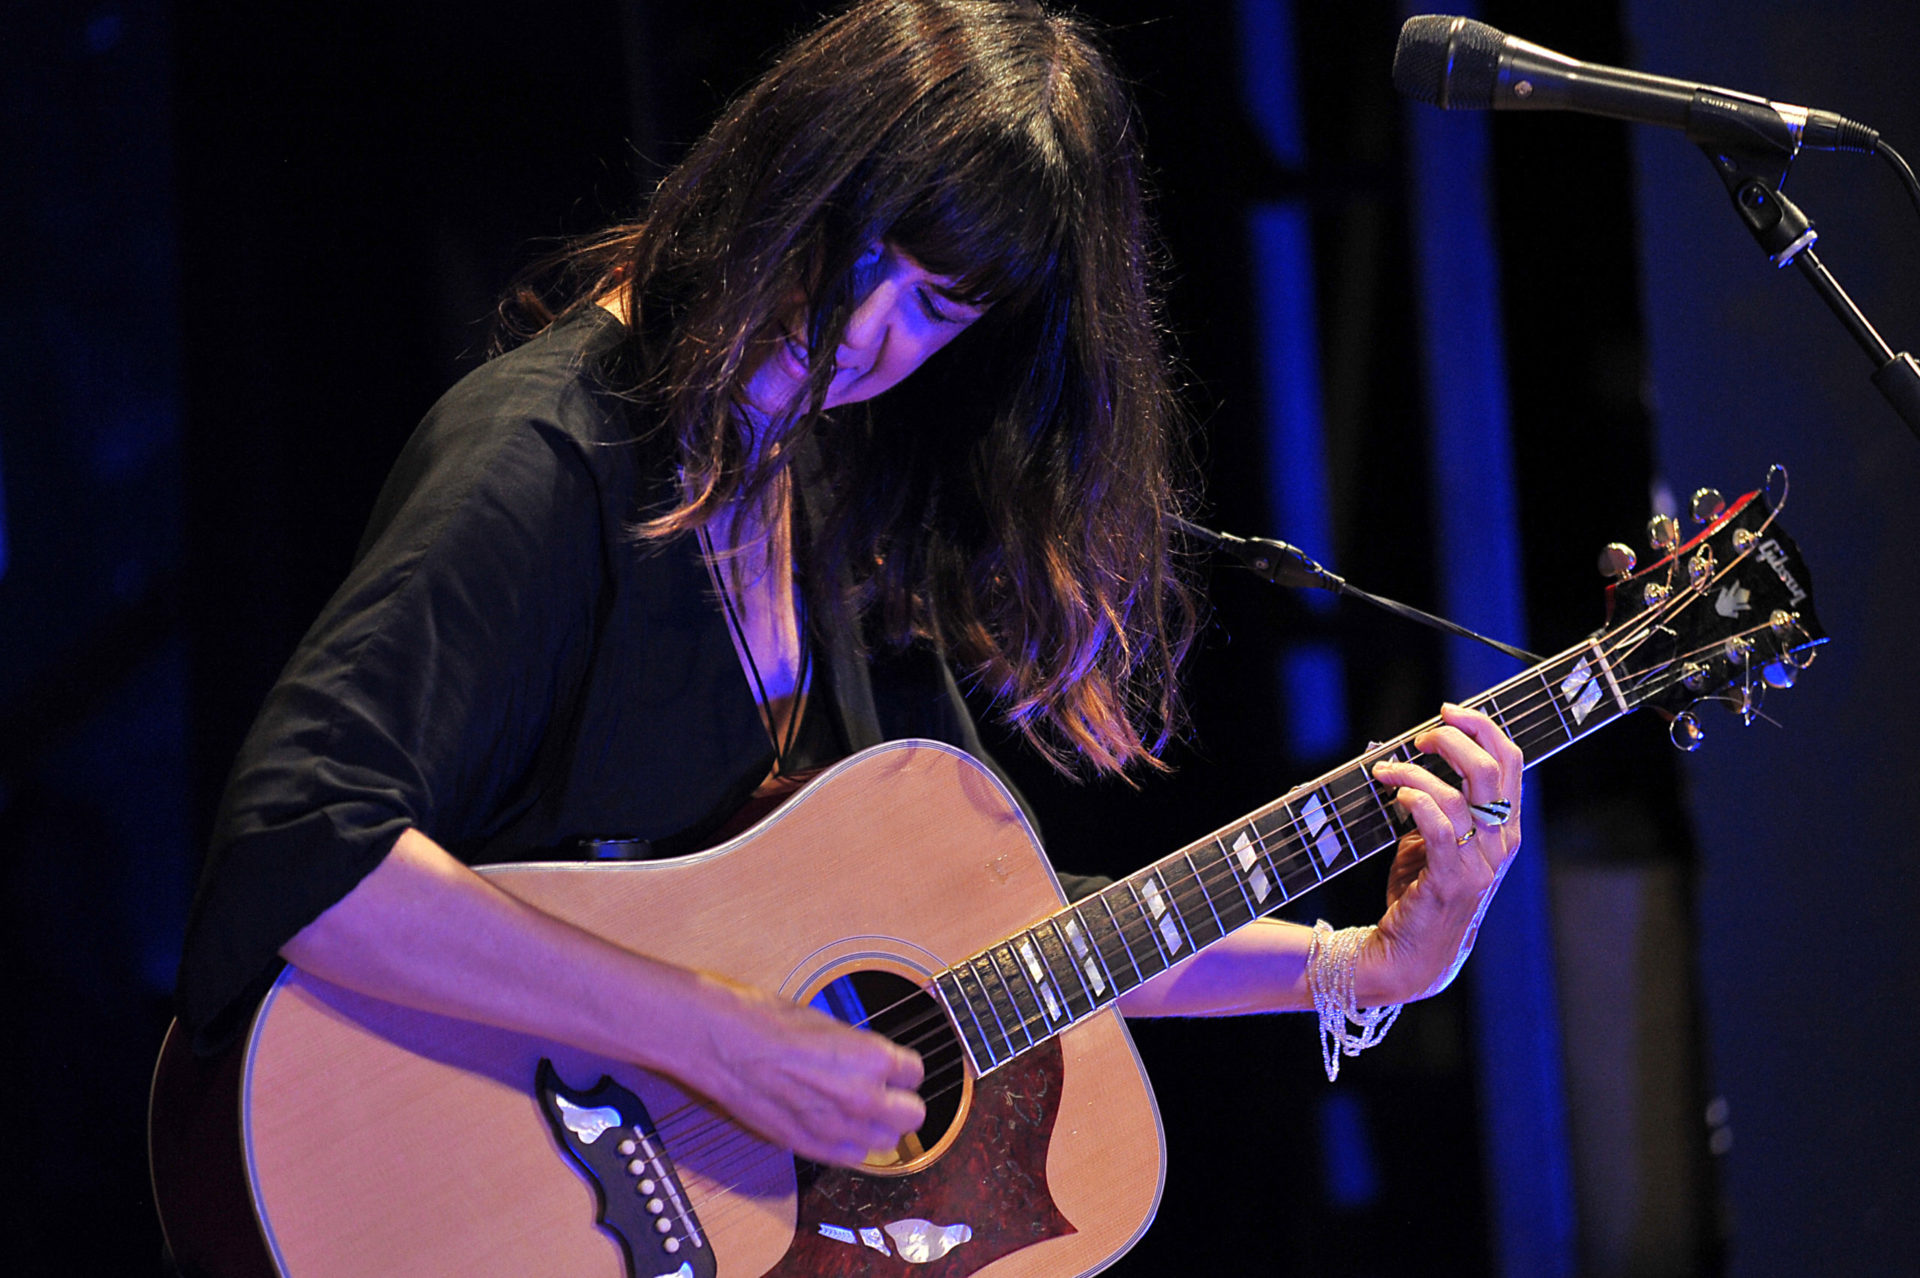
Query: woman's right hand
[827,1091]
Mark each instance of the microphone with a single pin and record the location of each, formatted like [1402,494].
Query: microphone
[1458,64]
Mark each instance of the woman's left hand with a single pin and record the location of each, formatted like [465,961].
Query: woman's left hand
[1443,876]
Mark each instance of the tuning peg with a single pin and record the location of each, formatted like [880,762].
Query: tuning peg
[1685,732]
[1663,532]
[1779,674]
[1797,650]
[1707,505]
[1616,560]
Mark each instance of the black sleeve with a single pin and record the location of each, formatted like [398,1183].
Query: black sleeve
[418,698]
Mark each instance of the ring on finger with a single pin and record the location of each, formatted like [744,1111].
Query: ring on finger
[1495,814]
[1464,839]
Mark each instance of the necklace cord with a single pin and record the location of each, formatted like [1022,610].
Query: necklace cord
[783,741]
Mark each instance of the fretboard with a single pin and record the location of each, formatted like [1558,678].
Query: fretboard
[1030,987]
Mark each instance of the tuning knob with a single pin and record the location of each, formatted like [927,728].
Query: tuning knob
[1707,505]
[1685,731]
[1663,532]
[1779,674]
[1616,560]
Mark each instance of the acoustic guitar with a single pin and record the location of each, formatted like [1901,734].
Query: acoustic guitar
[903,890]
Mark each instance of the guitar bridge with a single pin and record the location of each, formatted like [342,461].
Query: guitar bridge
[611,1138]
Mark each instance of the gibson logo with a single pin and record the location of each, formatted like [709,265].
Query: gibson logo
[1769,553]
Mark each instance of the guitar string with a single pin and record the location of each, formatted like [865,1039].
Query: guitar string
[939,1069]
[751,1148]
[1144,929]
[1208,879]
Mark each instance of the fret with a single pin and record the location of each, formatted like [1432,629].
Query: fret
[1515,720]
[1027,949]
[1296,869]
[1085,952]
[1105,929]
[1325,839]
[1032,1019]
[1398,817]
[1258,876]
[1074,990]
[1135,916]
[1278,867]
[1553,699]
[1183,878]
[1236,910]
[1349,844]
[967,1020]
[1441,769]
[979,996]
[1613,685]
[1495,711]
[1233,867]
[1012,1023]
[1216,881]
[1368,826]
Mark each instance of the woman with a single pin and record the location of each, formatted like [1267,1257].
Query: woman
[679,548]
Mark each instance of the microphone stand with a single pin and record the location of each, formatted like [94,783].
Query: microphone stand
[1286,565]
[1754,178]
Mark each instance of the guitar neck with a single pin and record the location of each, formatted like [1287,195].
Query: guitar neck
[1018,994]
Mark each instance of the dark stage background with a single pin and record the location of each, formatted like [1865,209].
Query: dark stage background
[250,244]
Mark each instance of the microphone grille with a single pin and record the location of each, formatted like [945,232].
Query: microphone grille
[1448,62]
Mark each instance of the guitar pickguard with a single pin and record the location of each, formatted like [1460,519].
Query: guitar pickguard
[990,1187]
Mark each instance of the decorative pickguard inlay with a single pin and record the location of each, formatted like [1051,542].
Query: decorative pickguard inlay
[914,1241]
[982,1199]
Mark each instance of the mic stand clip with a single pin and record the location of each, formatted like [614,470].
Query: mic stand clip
[1286,565]
[1754,178]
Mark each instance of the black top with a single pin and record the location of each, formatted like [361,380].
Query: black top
[507,669]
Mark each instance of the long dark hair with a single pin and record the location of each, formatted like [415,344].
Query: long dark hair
[1013,502]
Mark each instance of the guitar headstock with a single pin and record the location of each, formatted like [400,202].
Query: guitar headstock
[1721,617]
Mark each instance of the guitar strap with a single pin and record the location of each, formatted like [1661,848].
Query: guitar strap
[833,631]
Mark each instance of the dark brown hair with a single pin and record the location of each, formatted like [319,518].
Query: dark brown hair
[1014,500]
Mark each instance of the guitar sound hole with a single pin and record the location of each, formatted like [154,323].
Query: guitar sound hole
[897,1007]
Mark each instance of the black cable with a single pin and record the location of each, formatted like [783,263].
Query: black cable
[1287,565]
[1900,166]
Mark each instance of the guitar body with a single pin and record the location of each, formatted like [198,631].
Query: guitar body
[370,1139]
